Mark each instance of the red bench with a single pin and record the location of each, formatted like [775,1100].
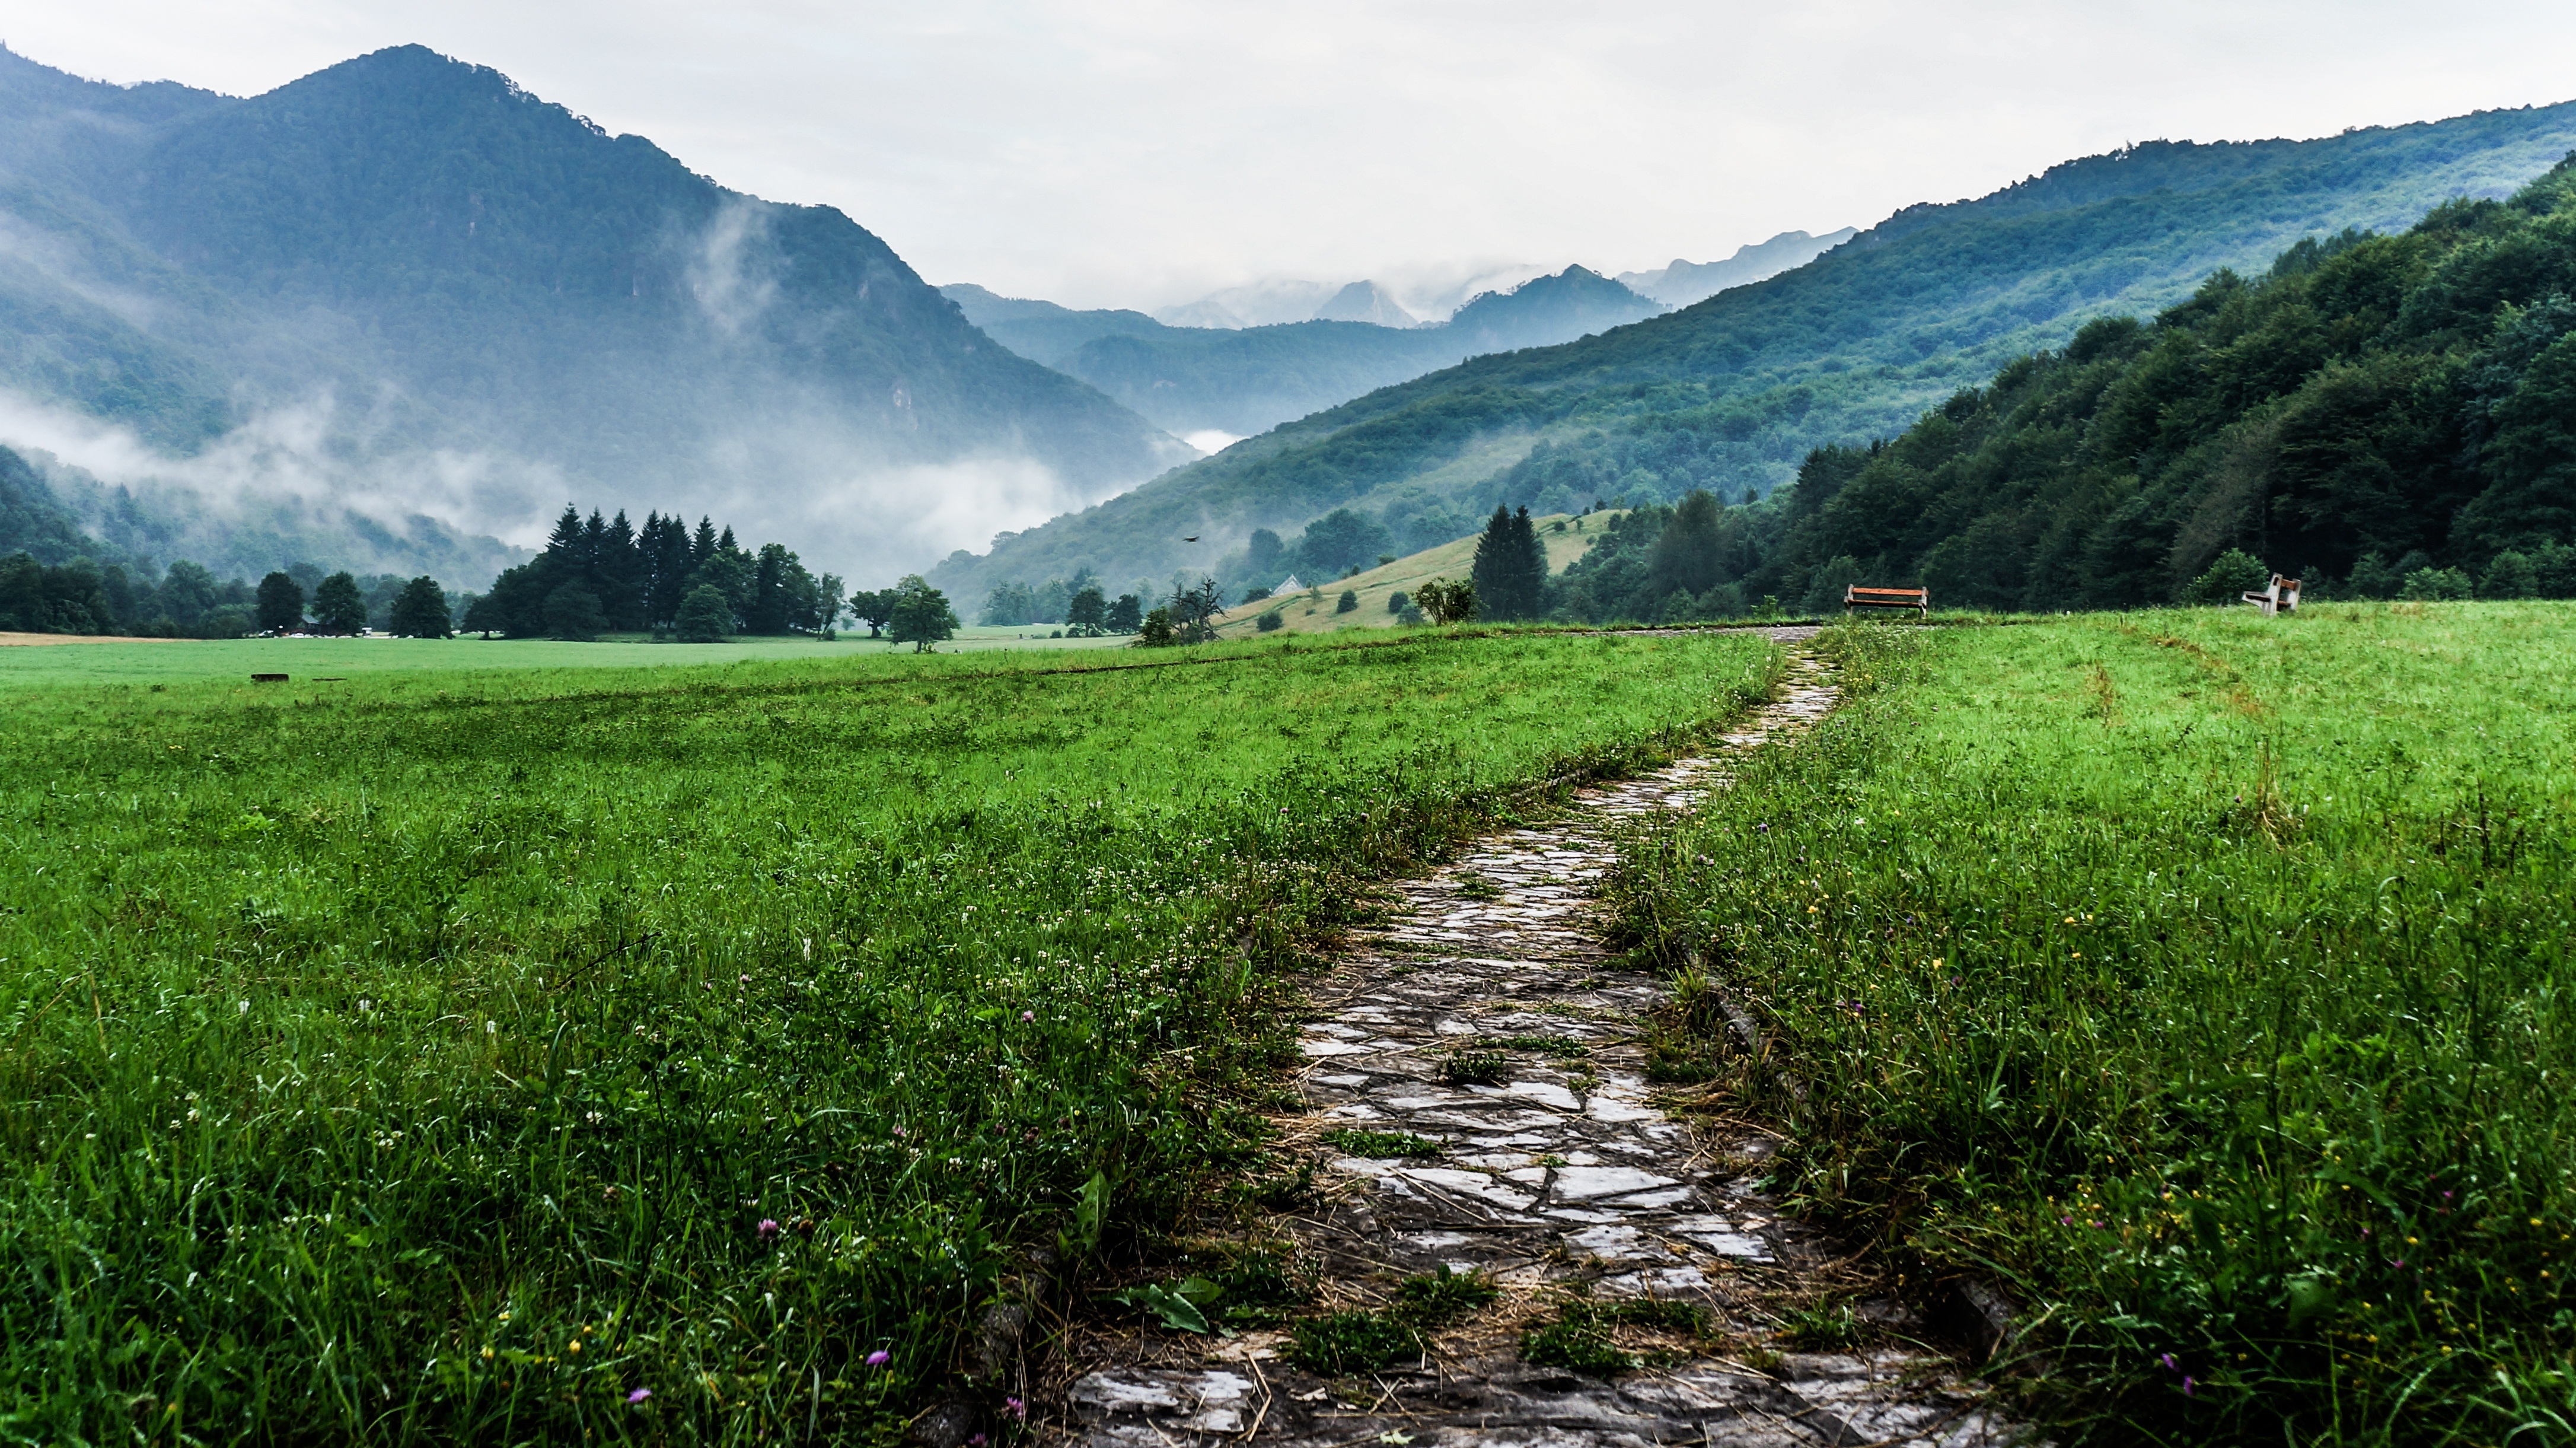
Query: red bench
[1917,599]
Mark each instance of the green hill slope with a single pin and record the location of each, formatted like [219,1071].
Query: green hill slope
[423,262]
[2373,412]
[1729,394]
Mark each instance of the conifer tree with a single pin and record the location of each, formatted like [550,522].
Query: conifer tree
[1511,567]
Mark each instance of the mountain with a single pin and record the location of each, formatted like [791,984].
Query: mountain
[1245,380]
[1365,302]
[405,286]
[1685,282]
[1729,394]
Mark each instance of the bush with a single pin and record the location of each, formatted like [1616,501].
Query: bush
[1270,622]
[1447,602]
[2436,585]
[573,614]
[704,616]
[1398,601]
[2510,575]
[1825,586]
[2228,578]
[1350,601]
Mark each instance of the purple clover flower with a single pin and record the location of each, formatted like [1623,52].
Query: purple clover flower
[768,1230]
[879,1358]
[639,1395]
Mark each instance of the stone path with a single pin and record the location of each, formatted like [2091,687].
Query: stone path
[1562,1178]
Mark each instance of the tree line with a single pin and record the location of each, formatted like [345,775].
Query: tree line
[599,575]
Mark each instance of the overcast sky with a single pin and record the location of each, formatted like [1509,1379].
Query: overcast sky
[1140,152]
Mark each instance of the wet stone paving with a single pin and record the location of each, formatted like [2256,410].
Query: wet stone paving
[1564,1179]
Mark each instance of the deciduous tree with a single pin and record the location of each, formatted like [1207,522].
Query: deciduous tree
[338,606]
[921,615]
[420,611]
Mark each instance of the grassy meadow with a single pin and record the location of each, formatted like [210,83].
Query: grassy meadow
[2204,979]
[163,661]
[682,1052]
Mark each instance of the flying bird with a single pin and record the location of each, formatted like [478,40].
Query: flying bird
[1193,538]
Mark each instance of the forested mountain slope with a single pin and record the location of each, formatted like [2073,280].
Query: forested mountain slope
[1243,381]
[2370,409]
[456,288]
[1731,393]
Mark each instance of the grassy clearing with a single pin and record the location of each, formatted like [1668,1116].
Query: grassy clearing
[2207,979]
[459,1055]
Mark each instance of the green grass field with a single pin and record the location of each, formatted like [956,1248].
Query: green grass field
[2204,978]
[303,660]
[587,1050]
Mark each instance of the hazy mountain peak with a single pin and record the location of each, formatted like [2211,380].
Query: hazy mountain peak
[1364,302]
[406,279]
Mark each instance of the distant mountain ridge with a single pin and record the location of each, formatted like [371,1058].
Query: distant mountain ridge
[1247,380]
[1731,393]
[472,302]
[1684,282]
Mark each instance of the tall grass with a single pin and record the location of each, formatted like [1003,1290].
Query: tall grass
[459,1057]
[2204,977]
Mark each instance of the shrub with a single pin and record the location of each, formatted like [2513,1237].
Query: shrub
[1398,601]
[1446,602]
[2228,578]
[1350,601]
[1270,622]
[573,614]
[2510,574]
[2435,585]
[704,616]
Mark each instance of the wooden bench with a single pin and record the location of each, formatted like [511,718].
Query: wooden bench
[2281,597]
[1917,599]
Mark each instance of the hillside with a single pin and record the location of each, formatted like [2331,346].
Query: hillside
[1316,609]
[2369,414]
[403,284]
[1729,394]
[1244,381]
